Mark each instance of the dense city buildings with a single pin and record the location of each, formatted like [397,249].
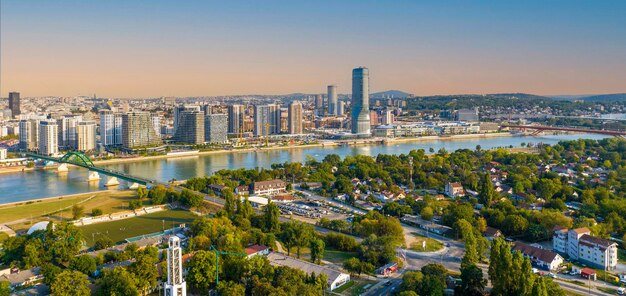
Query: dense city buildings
[190,128]
[216,128]
[360,101]
[48,137]
[332,100]
[295,118]
[14,104]
[86,136]
[137,131]
[235,119]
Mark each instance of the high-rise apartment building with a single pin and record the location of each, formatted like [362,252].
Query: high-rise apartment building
[138,131]
[319,105]
[235,118]
[86,136]
[341,107]
[110,128]
[190,127]
[67,131]
[14,104]
[48,137]
[29,134]
[332,100]
[216,128]
[360,101]
[156,123]
[295,118]
[261,120]
[274,118]
[180,109]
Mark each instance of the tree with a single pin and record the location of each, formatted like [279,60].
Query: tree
[467,232]
[514,224]
[145,271]
[472,281]
[49,272]
[487,194]
[77,212]
[70,283]
[142,192]
[271,218]
[427,213]
[83,263]
[157,194]
[5,288]
[353,265]
[117,281]
[228,288]
[317,250]
[103,242]
[201,270]
[96,212]
[229,204]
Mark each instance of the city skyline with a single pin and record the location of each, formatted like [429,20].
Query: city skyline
[120,49]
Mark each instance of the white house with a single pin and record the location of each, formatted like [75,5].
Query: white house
[541,258]
[454,189]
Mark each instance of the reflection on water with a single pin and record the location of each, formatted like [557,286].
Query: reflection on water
[38,184]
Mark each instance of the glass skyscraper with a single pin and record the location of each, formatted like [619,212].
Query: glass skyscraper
[360,101]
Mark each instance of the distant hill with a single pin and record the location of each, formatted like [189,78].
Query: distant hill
[605,98]
[390,93]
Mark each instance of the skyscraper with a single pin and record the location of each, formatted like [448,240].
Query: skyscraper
[295,118]
[175,285]
[137,130]
[86,135]
[235,118]
[319,105]
[67,131]
[110,128]
[332,100]
[190,127]
[180,109]
[216,128]
[274,118]
[261,120]
[48,137]
[360,101]
[29,134]
[14,104]
[341,106]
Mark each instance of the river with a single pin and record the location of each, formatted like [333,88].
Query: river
[39,184]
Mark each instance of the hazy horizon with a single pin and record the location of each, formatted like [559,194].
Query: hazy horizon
[121,49]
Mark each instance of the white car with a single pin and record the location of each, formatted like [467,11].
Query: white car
[552,275]
[621,291]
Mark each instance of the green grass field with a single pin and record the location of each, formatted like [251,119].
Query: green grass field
[122,229]
[431,244]
[338,257]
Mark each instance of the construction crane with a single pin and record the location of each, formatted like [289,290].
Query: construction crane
[217,261]
[267,130]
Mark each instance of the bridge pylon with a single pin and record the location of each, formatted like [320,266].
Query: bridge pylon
[93,176]
[62,167]
[111,181]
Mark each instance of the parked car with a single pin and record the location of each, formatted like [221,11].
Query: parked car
[621,291]
[552,275]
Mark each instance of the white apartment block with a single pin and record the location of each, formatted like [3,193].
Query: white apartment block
[86,135]
[3,153]
[580,245]
[48,137]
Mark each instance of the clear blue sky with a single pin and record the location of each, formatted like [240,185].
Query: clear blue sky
[184,48]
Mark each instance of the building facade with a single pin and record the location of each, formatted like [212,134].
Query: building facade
[580,245]
[110,128]
[137,131]
[319,105]
[190,127]
[180,109]
[29,134]
[295,118]
[86,136]
[216,128]
[341,107]
[14,104]
[235,119]
[48,137]
[332,100]
[67,131]
[360,101]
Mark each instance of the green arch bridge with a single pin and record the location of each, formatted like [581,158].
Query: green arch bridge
[81,160]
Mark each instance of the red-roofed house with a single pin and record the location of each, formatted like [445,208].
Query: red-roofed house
[257,250]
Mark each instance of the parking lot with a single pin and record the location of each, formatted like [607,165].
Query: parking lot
[313,209]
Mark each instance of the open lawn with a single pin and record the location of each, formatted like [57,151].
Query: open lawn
[355,287]
[61,208]
[338,257]
[431,244]
[150,223]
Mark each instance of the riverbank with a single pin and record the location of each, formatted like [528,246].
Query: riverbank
[324,144]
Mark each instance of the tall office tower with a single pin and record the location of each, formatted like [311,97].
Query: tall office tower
[156,123]
[274,118]
[261,120]
[137,130]
[180,109]
[86,136]
[190,127]
[295,118]
[67,131]
[360,101]
[175,285]
[14,104]
[29,134]
[319,105]
[341,107]
[216,128]
[332,100]
[48,137]
[235,118]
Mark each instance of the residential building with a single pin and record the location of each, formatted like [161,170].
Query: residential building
[335,278]
[3,153]
[332,100]
[274,118]
[572,241]
[190,127]
[257,250]
[559,240]
[261,120]
[269,188]
[110,128]
[319,105]
[67,131]
[86,136]
[540,258]
[580,245]
[137,131]
[341,108]
[360,101]
[14,104]
[454,189]
[156,123]
[216,128]
[180,109]
[48,137]
[388,117]
[29,134]
[235,119]
[295,118]
[467,115]
[491,233]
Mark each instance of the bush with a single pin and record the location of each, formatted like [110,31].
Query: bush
[96,212]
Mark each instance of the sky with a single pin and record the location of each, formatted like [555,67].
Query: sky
[211,48]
